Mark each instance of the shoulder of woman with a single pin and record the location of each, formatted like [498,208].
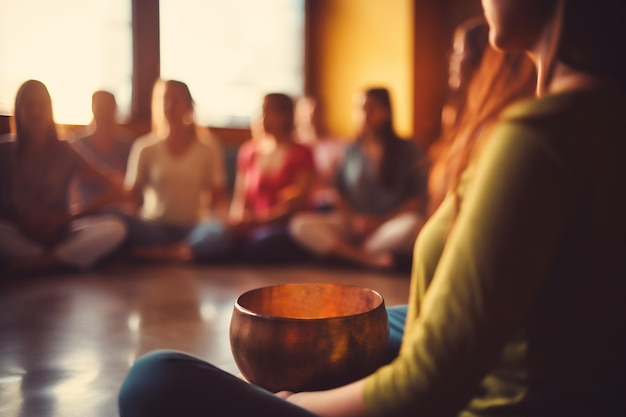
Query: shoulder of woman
[247,147]
[146,140]
[209,145]
[67,156]
[545,107]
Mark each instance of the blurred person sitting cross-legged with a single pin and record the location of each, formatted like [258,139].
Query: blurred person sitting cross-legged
[106,142]
[382,194]
[327,150]
[273,183]
[176,176]
[38,230]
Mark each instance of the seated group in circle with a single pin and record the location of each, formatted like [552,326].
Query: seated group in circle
[298,193]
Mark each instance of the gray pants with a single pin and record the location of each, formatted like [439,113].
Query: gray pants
[89,239]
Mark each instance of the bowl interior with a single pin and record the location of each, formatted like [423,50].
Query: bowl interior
[309,301]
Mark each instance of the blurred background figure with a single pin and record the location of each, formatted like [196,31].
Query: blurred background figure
[38,230]
[468,45]
[273,182]
[381,186]
[327,150]
[105,143]
[176,176]
[500,80]
[469,42]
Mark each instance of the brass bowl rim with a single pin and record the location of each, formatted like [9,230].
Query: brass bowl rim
[251,313]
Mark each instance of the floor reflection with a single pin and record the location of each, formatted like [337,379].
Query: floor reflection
[66,342]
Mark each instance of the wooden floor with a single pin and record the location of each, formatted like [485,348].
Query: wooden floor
[67,341]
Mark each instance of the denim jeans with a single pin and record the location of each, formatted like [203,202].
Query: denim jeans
[173,384]
[169,383]
[207,239]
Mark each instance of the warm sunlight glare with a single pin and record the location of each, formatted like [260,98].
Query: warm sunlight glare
[230,59]
[73,46]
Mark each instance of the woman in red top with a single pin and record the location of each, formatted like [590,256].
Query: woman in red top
[273,181]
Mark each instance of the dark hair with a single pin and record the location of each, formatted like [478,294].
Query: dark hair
[20,131]
[103,103]
[593,38]
[383,98]
[284,104]
[102,95]
[388,135]
[183,87]
[475,32]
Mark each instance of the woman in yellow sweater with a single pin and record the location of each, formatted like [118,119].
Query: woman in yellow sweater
[516,303]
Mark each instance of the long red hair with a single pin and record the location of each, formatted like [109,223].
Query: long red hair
[501,79]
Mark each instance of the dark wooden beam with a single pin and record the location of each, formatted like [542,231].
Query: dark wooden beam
[146,59]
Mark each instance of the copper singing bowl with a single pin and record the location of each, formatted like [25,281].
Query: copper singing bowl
[304,337]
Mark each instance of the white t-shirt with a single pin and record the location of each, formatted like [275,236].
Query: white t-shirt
[174,186]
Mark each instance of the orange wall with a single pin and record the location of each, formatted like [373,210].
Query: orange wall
[362,43]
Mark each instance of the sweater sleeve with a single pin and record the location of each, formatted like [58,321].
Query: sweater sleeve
[498,253]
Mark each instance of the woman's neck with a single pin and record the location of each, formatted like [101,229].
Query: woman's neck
[178,139]
[280,137]
[180,132]
[307,134]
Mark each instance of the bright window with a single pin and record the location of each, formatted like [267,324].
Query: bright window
[73,46]
[232,52]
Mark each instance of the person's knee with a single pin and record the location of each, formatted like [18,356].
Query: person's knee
[115,229]
[310,234]
[172,383]
[148,366]
[295,226]
[147,381]
[211,240]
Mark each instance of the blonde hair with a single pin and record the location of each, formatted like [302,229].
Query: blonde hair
[158,120]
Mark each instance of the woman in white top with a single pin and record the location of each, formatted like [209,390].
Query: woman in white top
[177,179]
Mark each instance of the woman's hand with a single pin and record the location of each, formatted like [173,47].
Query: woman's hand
[244,224]
[306,400]
[284,394]
[345,401]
